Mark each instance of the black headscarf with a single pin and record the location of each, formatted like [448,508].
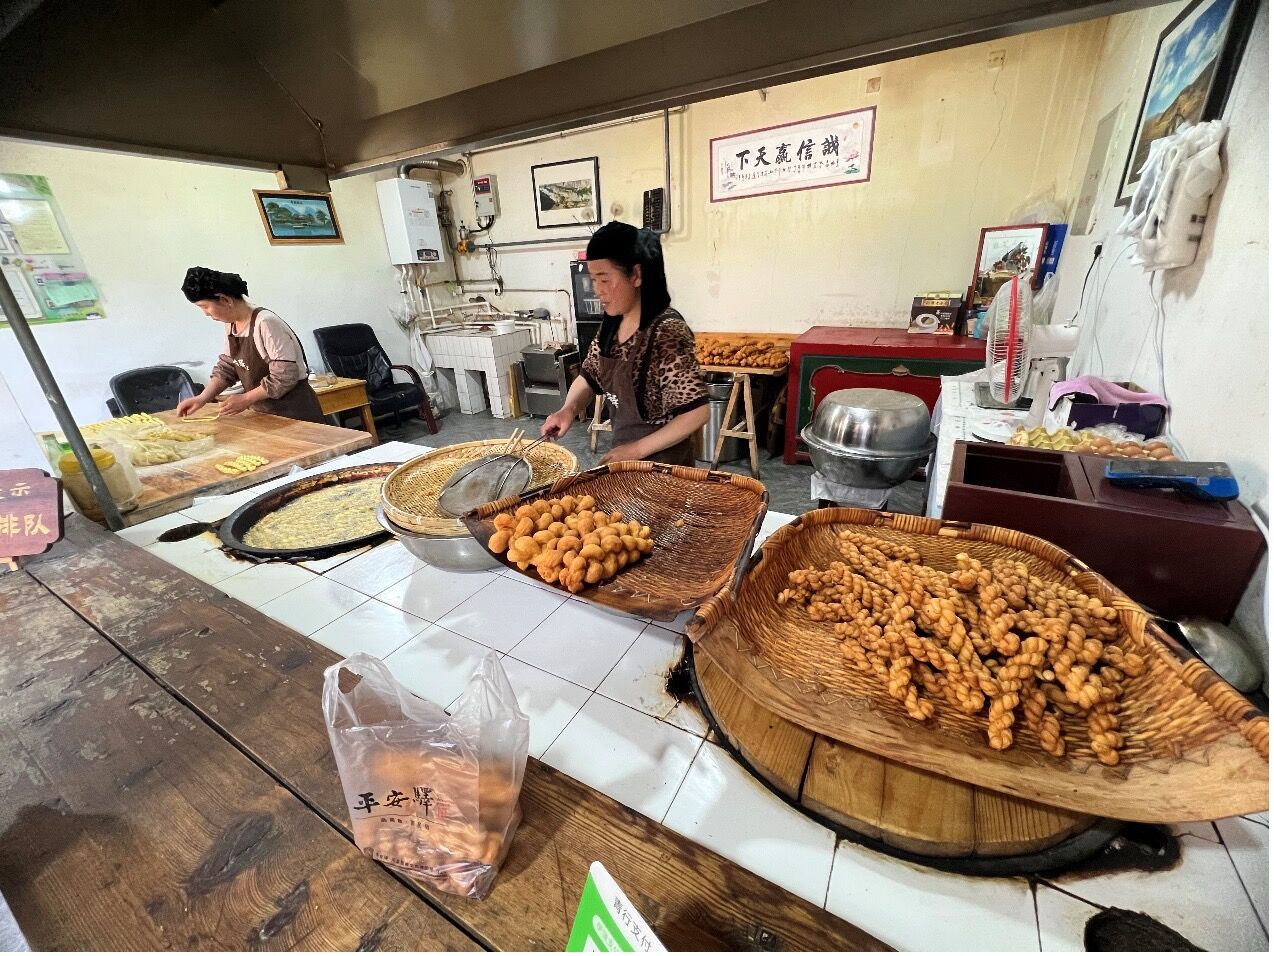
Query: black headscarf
[201,283]
[628,246]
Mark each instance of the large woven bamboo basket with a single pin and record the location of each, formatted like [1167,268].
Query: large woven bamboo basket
[410,494]
[720,517]
[1195,749]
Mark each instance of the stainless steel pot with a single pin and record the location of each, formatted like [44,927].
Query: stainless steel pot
[861,469]
[462,553]
[871,420]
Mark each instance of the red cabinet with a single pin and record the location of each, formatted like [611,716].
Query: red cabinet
[828,358]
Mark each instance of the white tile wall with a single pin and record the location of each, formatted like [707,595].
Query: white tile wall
[914,907]
[723,807]
[1249,846]
[1062,919]
[625,754]
[1218,918]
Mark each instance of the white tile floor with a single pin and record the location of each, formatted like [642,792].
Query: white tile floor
[592,683]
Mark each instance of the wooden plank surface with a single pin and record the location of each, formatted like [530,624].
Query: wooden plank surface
[259,684]
[128,823]
[925,813]
[778,749]
[845,785]
[1007,824]
[285,441]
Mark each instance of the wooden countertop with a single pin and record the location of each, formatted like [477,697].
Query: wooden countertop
[867,341]
[285,441]
[171,785]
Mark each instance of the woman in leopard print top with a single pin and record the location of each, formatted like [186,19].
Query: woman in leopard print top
[643,360]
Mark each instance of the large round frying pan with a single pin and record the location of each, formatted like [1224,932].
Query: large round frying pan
[233,529]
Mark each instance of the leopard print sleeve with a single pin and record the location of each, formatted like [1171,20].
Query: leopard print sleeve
[674,384]
[590,368]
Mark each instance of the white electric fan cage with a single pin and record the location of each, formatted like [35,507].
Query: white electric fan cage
[1008,343]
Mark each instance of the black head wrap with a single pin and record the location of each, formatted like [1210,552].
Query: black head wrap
[628,246]
[201,283]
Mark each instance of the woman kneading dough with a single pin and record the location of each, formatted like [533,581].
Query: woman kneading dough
[262,353]
[643,359]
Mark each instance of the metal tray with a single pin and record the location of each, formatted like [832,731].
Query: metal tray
[234,527]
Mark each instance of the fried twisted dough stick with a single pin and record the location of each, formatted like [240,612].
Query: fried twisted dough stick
[1036,650]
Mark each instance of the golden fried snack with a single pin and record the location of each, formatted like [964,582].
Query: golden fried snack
[985,639]
[570,542]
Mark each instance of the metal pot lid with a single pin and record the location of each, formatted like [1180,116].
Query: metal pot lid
[872,420]
[811,438]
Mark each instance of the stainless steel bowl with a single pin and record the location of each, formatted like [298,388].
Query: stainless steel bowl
[872,420]
[461,553]
[860,469]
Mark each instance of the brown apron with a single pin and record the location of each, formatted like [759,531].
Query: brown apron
[617,378]
[252,367]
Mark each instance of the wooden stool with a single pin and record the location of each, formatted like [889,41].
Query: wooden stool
[597,425]
[746,429]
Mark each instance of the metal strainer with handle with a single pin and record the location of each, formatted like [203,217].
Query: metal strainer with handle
[489,478]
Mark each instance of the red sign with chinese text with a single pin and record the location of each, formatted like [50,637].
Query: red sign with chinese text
[30,512]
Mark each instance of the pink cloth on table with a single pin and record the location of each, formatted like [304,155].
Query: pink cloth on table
[1107,393]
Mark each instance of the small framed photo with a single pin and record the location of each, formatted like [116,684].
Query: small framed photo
[1005,251]
[291,217]
[1195,62]
[566,194]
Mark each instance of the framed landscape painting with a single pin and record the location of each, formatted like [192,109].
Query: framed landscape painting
[566,194]
[291,217]
[1194,66]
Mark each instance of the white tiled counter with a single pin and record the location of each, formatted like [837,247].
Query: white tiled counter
[466,357]
[592,683]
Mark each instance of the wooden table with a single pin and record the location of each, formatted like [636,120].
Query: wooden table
[344,395]
[170,785]
[746,429]
[285,441]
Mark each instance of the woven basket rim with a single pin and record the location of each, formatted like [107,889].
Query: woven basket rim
[450,527]
[1227,705]
[475,522]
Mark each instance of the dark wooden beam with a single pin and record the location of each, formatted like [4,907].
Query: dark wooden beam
[779,41]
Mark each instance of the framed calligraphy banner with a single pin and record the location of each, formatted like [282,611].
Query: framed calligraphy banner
[830,150]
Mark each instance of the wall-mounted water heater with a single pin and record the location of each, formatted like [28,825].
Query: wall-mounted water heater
[410,218]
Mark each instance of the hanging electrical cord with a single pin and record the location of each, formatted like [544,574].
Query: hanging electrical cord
[1084,288]
[1096,310]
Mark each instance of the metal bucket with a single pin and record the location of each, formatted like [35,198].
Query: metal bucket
[719,386]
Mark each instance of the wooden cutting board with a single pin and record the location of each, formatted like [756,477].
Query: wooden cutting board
[286,442]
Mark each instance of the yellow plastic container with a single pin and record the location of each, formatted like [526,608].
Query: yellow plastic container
[121,481]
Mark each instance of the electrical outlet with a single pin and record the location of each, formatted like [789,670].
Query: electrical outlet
[873,84]
[995,60]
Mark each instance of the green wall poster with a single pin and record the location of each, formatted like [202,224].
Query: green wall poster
[38,258]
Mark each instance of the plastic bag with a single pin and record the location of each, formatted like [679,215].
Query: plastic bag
[1040,206]
[430,795]
[1045,299]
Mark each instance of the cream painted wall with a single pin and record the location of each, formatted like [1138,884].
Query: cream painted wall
[1216,312]
[139,223]
[958,146]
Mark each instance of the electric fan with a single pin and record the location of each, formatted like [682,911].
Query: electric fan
[1022,360]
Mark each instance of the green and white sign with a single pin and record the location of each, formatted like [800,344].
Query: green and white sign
[607,922]
[38,258]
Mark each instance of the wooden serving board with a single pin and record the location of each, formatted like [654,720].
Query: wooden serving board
[921,813]
[285,441]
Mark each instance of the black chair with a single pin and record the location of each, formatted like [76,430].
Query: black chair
[157,388]
[353,351]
